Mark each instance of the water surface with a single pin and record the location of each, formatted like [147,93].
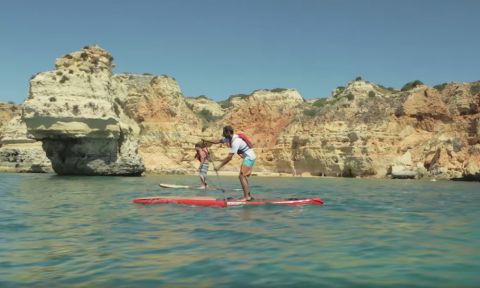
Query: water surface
[86,232]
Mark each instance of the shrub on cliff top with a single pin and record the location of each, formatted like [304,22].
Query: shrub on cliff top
[64,79]
[309,112]
[189,105]
[225,104]
[358,78]
[371,94]
[338,91]
[228,103]
[34,75]
[320,102]
[475,89]
[207,115]
[440,87]
[411,85]
[277,90]
[391,89]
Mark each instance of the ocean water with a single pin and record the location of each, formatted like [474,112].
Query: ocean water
[85,232]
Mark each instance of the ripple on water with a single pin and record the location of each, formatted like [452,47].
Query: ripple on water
[84,231]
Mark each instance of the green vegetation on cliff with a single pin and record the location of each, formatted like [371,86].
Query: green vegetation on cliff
[411,85]
[228,103]
[320,102]
[207,115]
[310,112]
[440,87]
[475,88]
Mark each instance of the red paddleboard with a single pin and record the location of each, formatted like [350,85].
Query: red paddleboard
[210,201]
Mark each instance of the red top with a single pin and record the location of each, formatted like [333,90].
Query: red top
[202,155]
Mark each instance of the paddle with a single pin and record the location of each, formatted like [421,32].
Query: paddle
[218,176]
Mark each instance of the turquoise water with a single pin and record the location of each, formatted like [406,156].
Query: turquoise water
[85,232]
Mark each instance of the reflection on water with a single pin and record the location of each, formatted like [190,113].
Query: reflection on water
[85,231]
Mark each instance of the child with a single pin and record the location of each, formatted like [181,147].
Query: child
[202,156]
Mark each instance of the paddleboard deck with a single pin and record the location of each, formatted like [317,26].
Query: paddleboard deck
[210,201]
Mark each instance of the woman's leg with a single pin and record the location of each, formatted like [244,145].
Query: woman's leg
[245,187]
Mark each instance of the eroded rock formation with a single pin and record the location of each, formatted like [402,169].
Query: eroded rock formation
[7,111]
[169,128]
[76,111]
[18,153]
[367,130]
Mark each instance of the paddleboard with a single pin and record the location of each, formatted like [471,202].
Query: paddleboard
[211,201]
[173,186]
[176,186]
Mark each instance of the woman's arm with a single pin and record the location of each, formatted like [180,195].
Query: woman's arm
[213,141]
[225,161]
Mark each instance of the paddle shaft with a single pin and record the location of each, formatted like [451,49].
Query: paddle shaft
[218,176]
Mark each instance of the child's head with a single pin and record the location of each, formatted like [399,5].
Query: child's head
[199,146]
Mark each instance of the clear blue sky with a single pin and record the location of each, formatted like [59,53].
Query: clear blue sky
[223,47]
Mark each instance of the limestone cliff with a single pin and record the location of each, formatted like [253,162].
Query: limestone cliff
[176,123]
[18,153]
[93,122]
[169,128]
[262,115]
[205,106]
[76,111]
[367,130]
[7,111]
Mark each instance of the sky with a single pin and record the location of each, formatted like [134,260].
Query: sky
[220,48]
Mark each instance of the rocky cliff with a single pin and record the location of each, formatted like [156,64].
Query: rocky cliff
[18,153]
[76,111]
[7,111]
[93,122]
[263,115]
[367,130]
[169,128]
[205,106]
[172,124]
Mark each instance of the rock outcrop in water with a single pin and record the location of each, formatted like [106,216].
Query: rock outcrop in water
[76,111]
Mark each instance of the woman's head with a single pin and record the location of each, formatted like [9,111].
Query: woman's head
[228,131]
